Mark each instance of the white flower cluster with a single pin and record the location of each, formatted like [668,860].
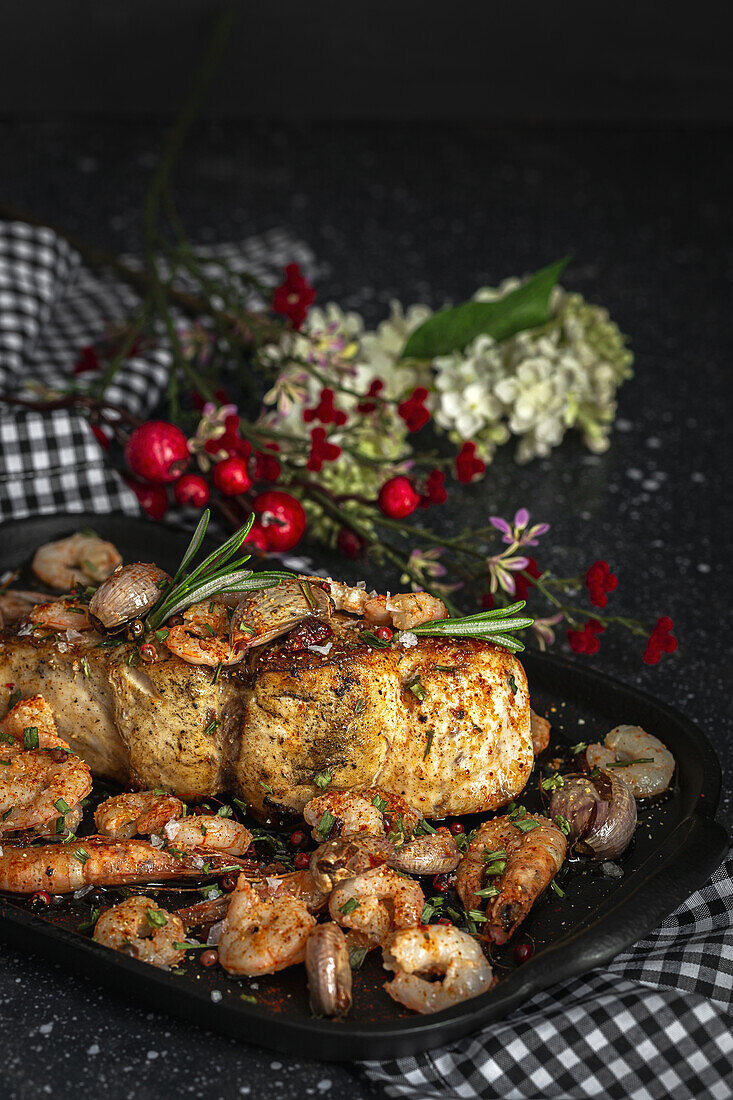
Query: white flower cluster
[537,384]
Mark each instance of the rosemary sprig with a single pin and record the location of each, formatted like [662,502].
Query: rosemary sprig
[489,626]
[221,571]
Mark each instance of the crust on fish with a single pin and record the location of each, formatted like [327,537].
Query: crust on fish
[445,724]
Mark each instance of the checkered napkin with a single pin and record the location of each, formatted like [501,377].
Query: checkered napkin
[657,1022]
[50,307]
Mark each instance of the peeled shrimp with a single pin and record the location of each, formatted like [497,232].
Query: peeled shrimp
[511,863]
[354,813]
[31,713]
[418,955]
[263,936]
[296,884]
[651,776]
[35,785]
[209,831]
[140,928]
[377,902]
[63,614]
[434,854]
[344,857]
[203,637]
[540,730]
[402,611]
[78,559]
[15,604]
[99,861]
[329,970]
[134,813]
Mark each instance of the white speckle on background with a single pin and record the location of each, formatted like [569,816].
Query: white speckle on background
[703,567]
[93,1049]
[216,995]
[634,474]
[324,1085]
[46,1029]
[152,1055]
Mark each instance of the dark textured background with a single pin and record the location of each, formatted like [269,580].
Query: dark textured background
[428,211]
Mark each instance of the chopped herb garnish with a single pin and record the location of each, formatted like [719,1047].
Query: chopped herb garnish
[431,735]
[210,630]
[7,813]
[560,893]
[30,737]
[212,726]
[446,668]
[85,667]
[380,803]
[595,772]
[80,854]
[562,823]
[89,924]
[62,806]
[242,805]
[194,946]
[322,779]
[553,783]
[513,684]
[60,825]
[498,853]
[325,824]
[349,906]
[108,643]
[359,706]
[526,826]
[416,687]
[225,811]
[266,787]
[305,588]
[156,918]
[248,997]
[217,673]
[628,763]
[162,634]
[368,638]
[581,745]
[424,827]
[477,916]
[516,812]
[488,892]
[14,698]
[397,830]
[498,867]
[7,737]
[357,956]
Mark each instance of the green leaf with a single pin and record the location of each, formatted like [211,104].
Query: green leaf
[454,328]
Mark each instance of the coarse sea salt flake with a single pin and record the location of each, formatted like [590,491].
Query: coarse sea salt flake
[322,649]
[407,639]
[156,841]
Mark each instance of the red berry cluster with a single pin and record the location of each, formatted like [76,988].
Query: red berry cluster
[468,466]
[586,640]
[413,410]
[321,450]
[435,490]
[522,584]
[661,640]
[599,580]
[325,410]
[374,390]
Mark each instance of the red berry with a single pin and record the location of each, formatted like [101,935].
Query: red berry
[209,958]
[148,653]
[231,477]
[398,497]
[41,898]
[456,828]
[157,451]
[153,498]
[384,633]
[441,883]
[522,952]
[297,838]
[282,517]
[301,861]
[228,883]
[444,920]
[349,544]
[193,490]
[257,536]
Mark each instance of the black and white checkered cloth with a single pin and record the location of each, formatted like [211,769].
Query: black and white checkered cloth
[50,307]
[657,1022]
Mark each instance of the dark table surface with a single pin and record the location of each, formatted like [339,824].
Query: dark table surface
[428,213]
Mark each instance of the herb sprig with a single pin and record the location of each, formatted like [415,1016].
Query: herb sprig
[489,626]
[221,571]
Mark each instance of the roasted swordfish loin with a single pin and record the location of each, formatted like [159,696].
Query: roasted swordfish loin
[270,698]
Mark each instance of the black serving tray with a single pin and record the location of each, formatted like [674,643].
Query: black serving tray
[677,846]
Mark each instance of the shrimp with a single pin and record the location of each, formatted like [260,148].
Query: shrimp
[400,820]
[78,559]
[329,970]
[36,785]
[62,614]
[296,884]
[434,854]
[510,862]
[263,936]
[353,812]
[27,715]
[99,861]
[140,928]
[376,902]
[427,952]
[402,611]
[130,814]
[15,604]
[203,637]
[650,765]
[347,856]
[540,729]
[211,831]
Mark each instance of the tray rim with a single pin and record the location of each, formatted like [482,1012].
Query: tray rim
[681,868]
